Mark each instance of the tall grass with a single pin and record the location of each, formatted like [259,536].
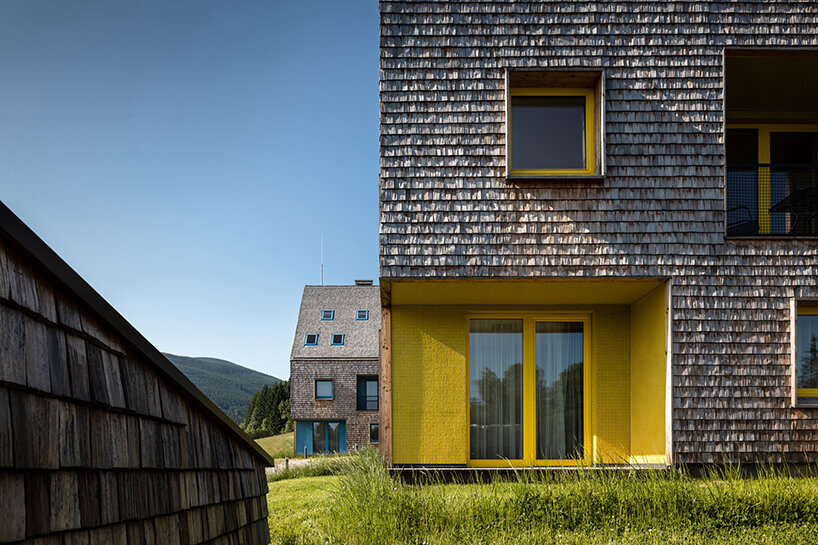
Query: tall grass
[370,506]
[317,467]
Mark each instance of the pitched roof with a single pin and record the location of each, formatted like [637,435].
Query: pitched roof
[360,336]
[21,235]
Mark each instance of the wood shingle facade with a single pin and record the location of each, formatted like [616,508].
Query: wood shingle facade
[653,210]
[102,440]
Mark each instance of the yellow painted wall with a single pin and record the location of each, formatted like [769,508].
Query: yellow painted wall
[430,380]
[610,345]
[429,397]
[648,378]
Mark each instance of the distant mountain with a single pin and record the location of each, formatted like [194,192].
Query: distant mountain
[228,385]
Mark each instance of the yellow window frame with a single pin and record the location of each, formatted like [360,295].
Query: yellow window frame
[590,130]
[764,157]
[530,320]
[805,311]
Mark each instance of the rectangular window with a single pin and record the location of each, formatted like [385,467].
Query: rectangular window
[367,392]
[496,392]
[337,339]
[373,433]
[327,315]
[319,437]
[771,142]
[323,389]
[311,339]
[772,180]
[806,354]
[527,393]
[559,357]
[327,437]
[361,315]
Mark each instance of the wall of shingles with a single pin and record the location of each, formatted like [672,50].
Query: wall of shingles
[447,210]
[96,446]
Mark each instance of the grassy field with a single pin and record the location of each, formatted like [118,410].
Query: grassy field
[278,446]
[361,503]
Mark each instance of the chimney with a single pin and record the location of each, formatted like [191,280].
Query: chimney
[363,282]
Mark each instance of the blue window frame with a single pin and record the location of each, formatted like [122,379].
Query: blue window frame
[337,339]
[367,392]
[361,315]
[327,315]
[311,339]
[323,389]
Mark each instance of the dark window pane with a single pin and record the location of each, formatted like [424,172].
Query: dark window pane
[742,146]
[547,132]
[806,350]
[367,393]
[319,432]
[793,148]
[559,359]
[496,389]
[333,436]
[373,433]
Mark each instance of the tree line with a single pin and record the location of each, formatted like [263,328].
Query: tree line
[269,411]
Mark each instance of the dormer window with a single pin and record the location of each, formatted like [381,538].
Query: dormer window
[327,315]
[311,339]
[361,315]
[337,339]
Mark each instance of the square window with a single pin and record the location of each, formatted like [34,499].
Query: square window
[806,354]
[327,315]
[323,389]
[551,130]
[311,339]
[362,315]
[368,392]
[337,339]
[373,433]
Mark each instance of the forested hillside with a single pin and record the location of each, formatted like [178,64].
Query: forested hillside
[228,385]
[269,412]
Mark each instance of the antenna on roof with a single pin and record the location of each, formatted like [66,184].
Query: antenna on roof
[322,259]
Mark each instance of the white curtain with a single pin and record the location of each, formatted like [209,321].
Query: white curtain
[559,359]
[496,389]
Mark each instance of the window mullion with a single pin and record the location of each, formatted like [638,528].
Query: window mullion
[529,392]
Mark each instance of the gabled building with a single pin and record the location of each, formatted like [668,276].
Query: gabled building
[334,368]
[102,439]
[598,232]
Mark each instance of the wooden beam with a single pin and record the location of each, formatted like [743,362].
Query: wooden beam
[385,372]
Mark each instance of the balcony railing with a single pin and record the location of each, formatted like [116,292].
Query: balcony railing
[772,200]
[367,403]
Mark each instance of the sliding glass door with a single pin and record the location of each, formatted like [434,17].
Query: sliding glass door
[527,380]
[559,390]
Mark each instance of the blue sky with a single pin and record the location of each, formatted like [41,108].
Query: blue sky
[185,158]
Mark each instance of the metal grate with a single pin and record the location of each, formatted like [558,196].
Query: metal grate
[772,200]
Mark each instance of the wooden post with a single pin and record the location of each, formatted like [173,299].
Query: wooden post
[385,372]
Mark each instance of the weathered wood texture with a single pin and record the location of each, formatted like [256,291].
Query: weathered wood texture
[98,446]
[447,209]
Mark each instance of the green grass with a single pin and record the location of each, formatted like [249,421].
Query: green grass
[363,504]
[278,446]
